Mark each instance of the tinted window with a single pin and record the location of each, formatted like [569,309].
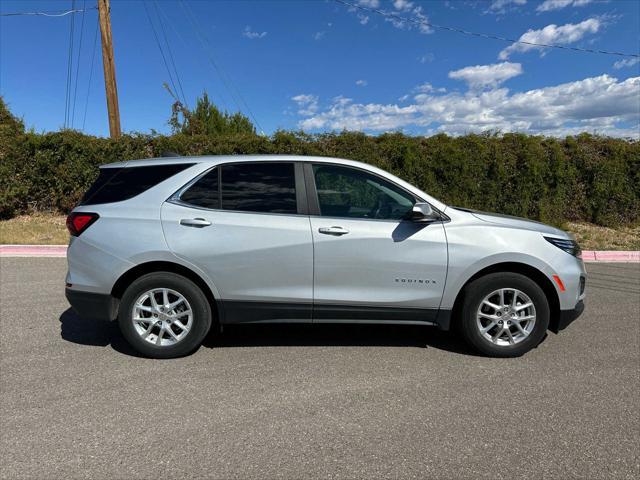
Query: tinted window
[118,184]
[204,193]
[353,193]
[259,187]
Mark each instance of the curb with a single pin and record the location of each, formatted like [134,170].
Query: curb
[589,256]
[617,256]
[33,250]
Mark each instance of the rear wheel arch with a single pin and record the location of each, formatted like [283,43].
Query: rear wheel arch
[136,272]
[515,267]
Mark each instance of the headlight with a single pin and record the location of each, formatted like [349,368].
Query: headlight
[569,246]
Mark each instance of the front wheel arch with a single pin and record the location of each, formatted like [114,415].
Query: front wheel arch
[514,267]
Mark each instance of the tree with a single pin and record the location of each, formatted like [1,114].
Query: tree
[207,119]
[10,126]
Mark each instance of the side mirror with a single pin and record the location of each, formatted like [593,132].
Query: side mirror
[422,212]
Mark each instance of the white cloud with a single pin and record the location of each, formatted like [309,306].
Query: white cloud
[319,35]
[426,87]
[549,5]
[363,19]
[402,5]
[482,76]
[628,62]
[598,104]
[426,58]
[361,83]
[247,32]
[405,7]
[307,104]
[416,14]
[341,100]
[499,6]
[553,34]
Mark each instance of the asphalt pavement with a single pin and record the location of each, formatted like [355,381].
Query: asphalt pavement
[315,401]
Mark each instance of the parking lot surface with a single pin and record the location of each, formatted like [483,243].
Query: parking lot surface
[315,401]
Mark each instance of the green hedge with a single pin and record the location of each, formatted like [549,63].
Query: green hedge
[590,178]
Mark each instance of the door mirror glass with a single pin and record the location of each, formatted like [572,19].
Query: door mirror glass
[422,212]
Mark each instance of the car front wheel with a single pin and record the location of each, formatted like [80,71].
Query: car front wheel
[504,314]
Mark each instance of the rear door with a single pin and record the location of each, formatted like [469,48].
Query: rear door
[245,224]
[369,262]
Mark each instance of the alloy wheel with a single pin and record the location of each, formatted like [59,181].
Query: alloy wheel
[162,316]
[506,317]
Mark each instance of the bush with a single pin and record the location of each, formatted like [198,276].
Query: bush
[583,178]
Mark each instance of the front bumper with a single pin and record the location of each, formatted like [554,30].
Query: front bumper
[566,317]
[94,306]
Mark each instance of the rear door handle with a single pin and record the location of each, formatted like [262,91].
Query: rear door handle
[333,231]
[195,222]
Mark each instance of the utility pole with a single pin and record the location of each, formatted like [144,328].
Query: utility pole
[109,68]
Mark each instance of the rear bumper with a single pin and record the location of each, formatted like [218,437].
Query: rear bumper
[567,316]
[94,306]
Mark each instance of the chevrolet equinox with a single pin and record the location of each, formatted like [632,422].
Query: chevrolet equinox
[172,246]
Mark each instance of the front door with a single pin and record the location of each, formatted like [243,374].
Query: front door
[370,263]
[242,224]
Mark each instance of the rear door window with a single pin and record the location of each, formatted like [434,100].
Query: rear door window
[205,192]
[265,187]
[118,184]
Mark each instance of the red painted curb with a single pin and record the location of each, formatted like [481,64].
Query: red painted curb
[617,256]
[33,250]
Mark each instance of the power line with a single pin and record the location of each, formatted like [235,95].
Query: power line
[93,56]
[222,75]
[67,97]
[173,63]
[155,35]
[75,90]
[222,93]
[178,34]
[46,14]
[403,19]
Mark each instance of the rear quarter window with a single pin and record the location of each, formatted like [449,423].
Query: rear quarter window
[118,184]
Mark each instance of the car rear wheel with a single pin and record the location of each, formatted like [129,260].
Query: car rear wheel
[164,315]
[504,314]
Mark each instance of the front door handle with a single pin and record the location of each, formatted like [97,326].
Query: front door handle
[333,231]
[195,222]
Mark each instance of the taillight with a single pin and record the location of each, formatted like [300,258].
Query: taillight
[78,222]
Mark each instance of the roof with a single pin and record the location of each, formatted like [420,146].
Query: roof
[217,159]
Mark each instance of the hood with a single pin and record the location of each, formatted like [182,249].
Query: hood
[515,222]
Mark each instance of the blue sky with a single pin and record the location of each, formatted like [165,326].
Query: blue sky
[322,66]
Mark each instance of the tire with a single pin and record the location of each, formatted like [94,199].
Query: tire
[189,320]
[478,315]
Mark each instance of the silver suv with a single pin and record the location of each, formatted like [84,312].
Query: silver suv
[172,246]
